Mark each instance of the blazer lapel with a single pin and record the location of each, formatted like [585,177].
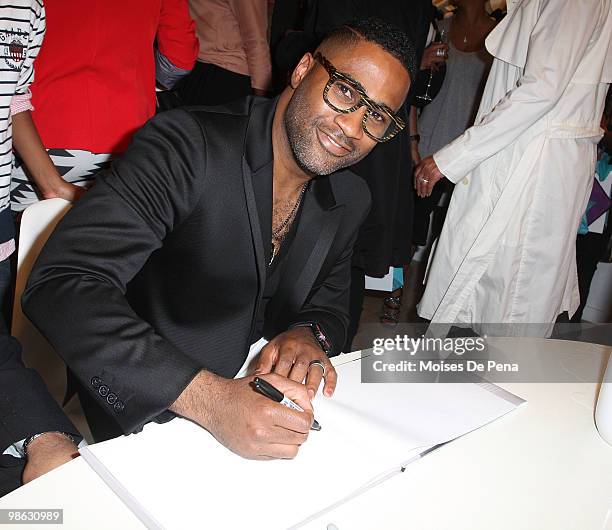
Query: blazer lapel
[318,224]
[249,196]
[257,155]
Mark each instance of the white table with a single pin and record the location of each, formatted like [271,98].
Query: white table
[542,467]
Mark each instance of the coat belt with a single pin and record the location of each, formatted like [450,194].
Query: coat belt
[568,131]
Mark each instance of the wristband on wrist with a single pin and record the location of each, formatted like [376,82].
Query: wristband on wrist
[415,138]
[318,334]
[30,439]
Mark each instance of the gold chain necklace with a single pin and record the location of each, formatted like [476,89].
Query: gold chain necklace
[276,234]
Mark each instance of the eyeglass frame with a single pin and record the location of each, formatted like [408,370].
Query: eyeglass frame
[335,75]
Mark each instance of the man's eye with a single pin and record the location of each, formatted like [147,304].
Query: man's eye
[376,116]
[346,91]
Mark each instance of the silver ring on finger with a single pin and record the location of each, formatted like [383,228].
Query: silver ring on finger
[440,52]
[318,363]
[424,180]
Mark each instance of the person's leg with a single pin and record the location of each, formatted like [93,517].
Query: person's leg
[5,289]
[11,469]
[392,304]
[589,250]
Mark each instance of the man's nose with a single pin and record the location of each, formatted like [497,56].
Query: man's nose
[351,123]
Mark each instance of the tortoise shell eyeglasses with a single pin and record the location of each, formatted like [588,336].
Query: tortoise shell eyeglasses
[345,95]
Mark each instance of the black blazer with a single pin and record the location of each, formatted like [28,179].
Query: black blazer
[157,272]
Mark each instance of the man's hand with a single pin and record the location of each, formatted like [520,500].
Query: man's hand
[425,176]
[249,424]
[290,353]
[46,453]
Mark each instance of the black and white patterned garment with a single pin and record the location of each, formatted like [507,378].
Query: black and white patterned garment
[22,28]
[75,166]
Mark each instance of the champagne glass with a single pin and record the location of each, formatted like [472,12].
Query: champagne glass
[442,39]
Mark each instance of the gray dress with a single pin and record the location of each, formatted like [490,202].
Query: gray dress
[454,108]
[450,113]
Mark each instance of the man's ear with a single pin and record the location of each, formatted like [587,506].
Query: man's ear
[303,67]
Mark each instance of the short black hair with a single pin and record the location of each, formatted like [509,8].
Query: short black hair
[386,35]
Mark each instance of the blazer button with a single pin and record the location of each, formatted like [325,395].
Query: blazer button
[111,398]
[119,406]
[96,382]
[103,390]
[465,181]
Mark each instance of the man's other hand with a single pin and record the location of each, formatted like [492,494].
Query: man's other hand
[249,424]
[47,452]
[290,353]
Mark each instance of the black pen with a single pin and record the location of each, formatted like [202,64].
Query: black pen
[268,390]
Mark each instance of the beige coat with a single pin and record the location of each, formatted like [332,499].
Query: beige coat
[524,171]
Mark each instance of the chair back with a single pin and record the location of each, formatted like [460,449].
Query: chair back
[37,223]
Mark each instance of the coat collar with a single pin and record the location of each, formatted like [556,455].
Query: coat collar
[509,40]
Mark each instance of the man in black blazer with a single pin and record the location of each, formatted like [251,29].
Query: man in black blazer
[217,227]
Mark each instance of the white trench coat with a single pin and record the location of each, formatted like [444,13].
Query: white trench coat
[524,171]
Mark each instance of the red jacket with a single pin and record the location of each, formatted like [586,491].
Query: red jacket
[95,74]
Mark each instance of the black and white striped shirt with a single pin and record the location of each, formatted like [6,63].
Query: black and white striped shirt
[22,28]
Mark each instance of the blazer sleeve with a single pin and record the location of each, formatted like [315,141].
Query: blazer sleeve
[557,44]
[76,291]
[26,407]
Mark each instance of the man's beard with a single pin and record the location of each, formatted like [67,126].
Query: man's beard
[307,150]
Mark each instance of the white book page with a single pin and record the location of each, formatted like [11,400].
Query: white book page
[180,474]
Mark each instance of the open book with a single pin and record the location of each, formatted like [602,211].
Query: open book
[176,475]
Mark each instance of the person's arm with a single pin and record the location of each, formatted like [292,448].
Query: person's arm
[557,44]
[46,452]
[41,169]
[27,409]
[177,44]
[244,421]
[166,74]
[176,37]
[252,19]
[76,291]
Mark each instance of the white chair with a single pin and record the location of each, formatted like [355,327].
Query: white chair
[37,223]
